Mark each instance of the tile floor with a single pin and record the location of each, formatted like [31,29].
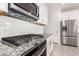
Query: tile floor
[63,50]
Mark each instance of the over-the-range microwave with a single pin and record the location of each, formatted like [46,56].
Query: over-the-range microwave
[21,10]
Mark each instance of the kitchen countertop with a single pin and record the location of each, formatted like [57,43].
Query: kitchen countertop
[47,35]
[8,50]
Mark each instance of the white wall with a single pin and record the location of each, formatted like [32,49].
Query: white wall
[12,27]
[69,15]
[54,17]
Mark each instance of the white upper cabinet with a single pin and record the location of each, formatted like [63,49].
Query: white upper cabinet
[43,14]
[4,7]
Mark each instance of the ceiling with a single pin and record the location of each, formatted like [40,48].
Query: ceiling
[63,6]
[53,5]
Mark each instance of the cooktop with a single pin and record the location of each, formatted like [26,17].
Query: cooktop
[22,39]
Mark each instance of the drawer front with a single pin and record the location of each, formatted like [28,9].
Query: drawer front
[70,41]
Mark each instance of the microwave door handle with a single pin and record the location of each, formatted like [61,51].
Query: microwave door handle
[37,11]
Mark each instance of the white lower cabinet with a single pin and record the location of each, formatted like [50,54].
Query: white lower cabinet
[49,45]
[78,39]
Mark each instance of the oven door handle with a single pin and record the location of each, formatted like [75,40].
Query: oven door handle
[42,52]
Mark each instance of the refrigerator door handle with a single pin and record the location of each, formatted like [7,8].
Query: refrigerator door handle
[75,27]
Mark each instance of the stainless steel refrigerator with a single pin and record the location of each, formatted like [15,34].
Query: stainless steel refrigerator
[69,32]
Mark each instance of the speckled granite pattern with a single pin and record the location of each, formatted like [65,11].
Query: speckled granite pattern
[6,50]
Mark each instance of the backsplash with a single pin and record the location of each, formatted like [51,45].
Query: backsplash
[12,27]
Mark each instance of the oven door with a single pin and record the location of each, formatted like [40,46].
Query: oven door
[37,50]
[40,52]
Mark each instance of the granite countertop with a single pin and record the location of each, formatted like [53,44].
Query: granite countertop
[47,35]
[8,50]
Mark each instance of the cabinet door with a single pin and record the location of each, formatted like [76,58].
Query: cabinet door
[45,18]
[49,46]
[43,14]
[4,7]
[51,40]
[78,39]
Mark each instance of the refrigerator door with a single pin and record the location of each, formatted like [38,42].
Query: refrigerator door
[71,28]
